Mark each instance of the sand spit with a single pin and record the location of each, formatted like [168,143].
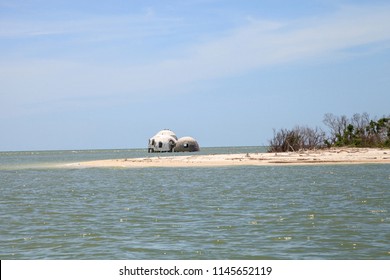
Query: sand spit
[329,156]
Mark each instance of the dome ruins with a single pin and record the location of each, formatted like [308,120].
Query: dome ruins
[167,141]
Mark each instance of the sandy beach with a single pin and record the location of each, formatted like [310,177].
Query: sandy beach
[328,156]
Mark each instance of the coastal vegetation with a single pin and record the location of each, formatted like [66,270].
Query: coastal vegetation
[357,131]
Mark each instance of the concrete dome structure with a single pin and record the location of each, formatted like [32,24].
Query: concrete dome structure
[164,141]
[166,132]
[186,144]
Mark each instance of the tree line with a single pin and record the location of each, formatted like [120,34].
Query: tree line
[357,131]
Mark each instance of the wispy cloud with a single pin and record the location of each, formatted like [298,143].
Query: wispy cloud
[254,45]
[262,43]
[146,24]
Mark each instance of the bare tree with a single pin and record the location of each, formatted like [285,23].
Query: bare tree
[357,131]
[337,126]
[299,138]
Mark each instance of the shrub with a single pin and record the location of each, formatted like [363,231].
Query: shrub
[358,131]
[299,138]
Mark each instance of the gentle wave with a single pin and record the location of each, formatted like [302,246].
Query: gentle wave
[281,212]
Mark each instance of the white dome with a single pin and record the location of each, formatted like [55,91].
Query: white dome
[166,132]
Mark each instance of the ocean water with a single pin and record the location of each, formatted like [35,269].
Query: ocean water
[246,212]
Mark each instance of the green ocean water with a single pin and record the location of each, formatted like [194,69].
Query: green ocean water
[246,212]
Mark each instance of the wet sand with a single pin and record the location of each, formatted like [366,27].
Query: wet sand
[327,156]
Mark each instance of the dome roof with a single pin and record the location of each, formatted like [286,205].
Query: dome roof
[187,139]
[186,144]
[166,132]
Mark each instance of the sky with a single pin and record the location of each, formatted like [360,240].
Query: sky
[110,74]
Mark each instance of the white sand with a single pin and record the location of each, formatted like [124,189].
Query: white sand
[329,156]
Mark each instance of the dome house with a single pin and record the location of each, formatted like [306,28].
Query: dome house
[164,141]
[186,144]
[167,141]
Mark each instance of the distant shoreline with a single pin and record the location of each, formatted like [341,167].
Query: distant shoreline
[312,157]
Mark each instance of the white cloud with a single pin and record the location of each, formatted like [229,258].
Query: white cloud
[261,44]
[253,46]
[89,26]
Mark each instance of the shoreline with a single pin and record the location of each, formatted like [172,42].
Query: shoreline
[313,157]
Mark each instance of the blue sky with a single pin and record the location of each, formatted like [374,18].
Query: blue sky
[110,74]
